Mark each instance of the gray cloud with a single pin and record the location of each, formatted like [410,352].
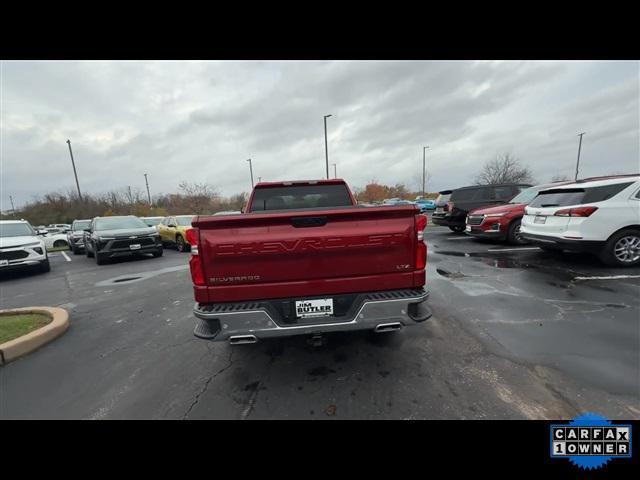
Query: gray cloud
[200,121]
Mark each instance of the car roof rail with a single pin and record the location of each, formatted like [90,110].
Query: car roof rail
[607,177]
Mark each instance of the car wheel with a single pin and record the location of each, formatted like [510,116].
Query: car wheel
[44,266]
[457,228]
[158,253]
[88,250]
[60,243]
[514,237]
[622,249]
[181,246]
[100,259]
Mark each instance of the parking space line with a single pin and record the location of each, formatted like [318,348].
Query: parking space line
[66,257]
[607,277]
[512,249]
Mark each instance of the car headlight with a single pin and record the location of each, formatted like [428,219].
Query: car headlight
[105,239]
[495,214]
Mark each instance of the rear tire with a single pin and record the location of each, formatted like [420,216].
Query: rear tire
[513,236]
[181,245]
[89,251]
[457,228]
[157,254]
[622,249]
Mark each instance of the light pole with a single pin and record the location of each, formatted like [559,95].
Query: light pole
[335,171]
[251,170]
[579,148]
[13,209]
[424,156]
[326,147]
[74,169]
[148,194]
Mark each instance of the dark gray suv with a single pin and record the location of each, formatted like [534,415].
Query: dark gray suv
[110,237]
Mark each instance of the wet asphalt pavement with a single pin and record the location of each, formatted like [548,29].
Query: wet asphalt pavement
[515,334]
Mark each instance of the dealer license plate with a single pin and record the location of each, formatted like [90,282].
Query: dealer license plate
[134,246]
[4,263]
[539,219]
[320,307]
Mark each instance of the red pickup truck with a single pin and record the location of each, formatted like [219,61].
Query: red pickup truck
[304,258]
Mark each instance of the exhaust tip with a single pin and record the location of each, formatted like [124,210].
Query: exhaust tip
[387,327]
[242,339]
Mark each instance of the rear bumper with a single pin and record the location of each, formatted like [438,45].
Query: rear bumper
[448,221]
[223,322]
[589,246]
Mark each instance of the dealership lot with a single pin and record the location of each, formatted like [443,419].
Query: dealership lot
[516,333]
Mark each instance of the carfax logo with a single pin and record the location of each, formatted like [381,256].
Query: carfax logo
[590,441]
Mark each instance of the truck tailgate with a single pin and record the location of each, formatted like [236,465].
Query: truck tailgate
[306,253]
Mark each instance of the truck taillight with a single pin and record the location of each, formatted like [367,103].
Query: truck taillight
[195,264]
[192,236]
[421,247]
[576,212]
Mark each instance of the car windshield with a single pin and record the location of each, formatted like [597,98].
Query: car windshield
[116,223]
[16,230]
[443,198]
[526,196]
[80,225]
[184,221]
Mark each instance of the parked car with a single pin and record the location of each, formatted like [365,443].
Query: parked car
[502,222]
[110,237]
[75,236]
[425,204]
[465,199]
[173,231]
[152,221]
[21,247]
[54,238]
[305,259]
[442,204]
[600,216]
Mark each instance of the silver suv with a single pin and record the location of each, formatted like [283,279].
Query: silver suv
[20,247]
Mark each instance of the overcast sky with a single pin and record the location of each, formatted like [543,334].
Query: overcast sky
[200,121]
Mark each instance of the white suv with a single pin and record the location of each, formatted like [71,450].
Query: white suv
[597,215]
[20,247]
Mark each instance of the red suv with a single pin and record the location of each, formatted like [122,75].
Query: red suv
[502,222]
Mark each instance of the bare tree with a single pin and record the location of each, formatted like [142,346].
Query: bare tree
[504,168]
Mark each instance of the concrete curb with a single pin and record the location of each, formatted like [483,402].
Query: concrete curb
[33,340]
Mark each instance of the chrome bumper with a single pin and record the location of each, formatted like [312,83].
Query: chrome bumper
[377,311]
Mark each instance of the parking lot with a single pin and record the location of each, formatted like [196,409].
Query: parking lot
[516,334]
